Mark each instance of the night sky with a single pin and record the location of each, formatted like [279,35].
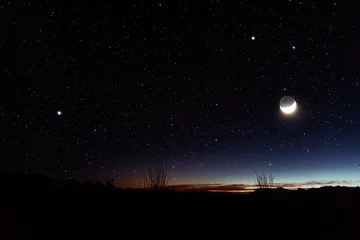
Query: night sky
[95,91]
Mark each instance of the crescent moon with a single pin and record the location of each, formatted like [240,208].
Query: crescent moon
[290,109]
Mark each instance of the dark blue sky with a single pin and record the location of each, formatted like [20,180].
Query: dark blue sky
[184,83]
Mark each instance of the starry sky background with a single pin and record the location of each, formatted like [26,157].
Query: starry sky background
[183,83]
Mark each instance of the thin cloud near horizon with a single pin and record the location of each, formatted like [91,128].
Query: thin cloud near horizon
[234,187]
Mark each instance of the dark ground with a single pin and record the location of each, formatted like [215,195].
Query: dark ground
[34,207]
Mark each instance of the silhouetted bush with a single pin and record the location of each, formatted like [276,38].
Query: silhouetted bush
[110,182]
[264,181]
[156,175]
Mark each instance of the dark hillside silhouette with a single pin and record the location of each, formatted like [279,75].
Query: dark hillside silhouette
[34,206]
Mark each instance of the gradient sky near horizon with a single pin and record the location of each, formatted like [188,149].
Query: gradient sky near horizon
[93,91]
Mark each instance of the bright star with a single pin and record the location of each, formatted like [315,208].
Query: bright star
[59,113]
[293,47]
[253,38]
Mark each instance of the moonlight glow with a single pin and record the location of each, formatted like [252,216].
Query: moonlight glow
[288,105]
[289,110]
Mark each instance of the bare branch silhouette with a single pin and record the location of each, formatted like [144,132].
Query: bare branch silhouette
[264,181]
[156,175]
[109,182]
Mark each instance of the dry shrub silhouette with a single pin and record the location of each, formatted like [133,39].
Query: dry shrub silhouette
[264,181]
[155,176]
[109,182]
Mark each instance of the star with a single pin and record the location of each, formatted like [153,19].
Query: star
[59,113]
[293,47]
[253,38]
